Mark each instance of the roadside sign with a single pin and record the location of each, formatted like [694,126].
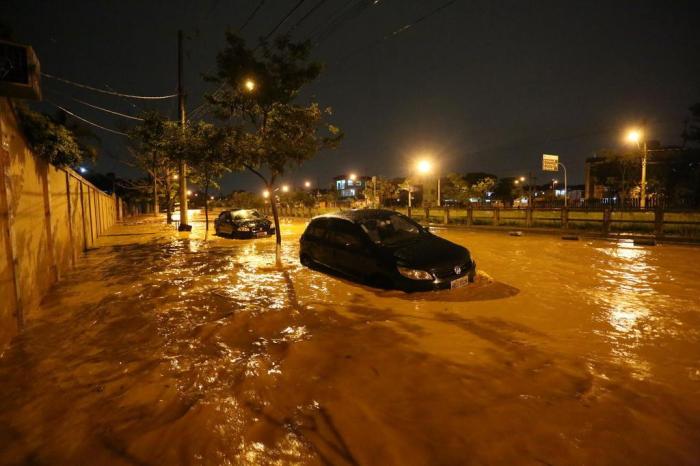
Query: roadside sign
[550,163]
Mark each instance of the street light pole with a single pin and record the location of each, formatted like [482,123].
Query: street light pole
[643,193]
[438,186]
[566,190]
[184,221]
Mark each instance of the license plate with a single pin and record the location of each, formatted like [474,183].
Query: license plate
[459,282]
[260,234]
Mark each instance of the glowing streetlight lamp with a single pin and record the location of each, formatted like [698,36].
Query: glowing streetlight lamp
[425,167]
[249,85]
[522,179]
[307,184]
[285,188]
[352,177]
[636,136]
[266,194]
[175,176]
[189,192]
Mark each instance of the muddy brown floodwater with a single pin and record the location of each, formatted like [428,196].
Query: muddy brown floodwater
[164,349]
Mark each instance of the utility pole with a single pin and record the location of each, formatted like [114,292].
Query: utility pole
[184,221]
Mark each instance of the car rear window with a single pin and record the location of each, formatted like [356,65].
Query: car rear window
[317,229]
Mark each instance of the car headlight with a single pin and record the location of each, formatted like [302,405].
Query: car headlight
[243,229]
[415,274]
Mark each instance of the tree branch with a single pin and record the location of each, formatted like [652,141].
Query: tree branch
[260,175]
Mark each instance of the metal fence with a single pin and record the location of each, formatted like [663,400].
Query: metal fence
[658,223]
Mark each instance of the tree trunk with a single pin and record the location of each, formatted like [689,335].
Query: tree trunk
[168,198]
[278,235]
[156,207]
[206,207]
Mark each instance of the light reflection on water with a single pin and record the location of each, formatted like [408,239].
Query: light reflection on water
[628,288]
[203,352]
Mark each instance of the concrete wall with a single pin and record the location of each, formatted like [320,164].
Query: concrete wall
[48,217]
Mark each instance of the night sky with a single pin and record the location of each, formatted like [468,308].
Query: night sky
[481,85]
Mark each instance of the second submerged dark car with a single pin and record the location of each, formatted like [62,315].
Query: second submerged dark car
[385,249]
[243,223]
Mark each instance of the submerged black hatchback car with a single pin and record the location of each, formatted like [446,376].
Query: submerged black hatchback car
[385,249]
[243,223]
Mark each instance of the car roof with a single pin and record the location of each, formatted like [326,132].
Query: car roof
[358,215]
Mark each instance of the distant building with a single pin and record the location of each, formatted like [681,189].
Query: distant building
[350,186]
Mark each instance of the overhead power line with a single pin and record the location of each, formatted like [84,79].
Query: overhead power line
[97,107]
[252,15]
[113,112]
[318,5]
[349,11]
[286,17]
[86,121]
[400,30]
[96,89]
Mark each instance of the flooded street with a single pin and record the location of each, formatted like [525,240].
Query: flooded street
[164,348]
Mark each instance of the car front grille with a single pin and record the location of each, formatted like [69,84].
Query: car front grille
[449,270]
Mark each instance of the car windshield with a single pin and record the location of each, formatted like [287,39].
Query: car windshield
[391,230]
[246,215]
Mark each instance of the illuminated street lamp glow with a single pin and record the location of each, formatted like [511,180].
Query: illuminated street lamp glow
[522,178]
[189,193]
[307,184]
[424,166]
[249,85]
[634,136]
[266,194]
[175,176]
[352,177]
[285,188]
[517,181]
[83,170]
